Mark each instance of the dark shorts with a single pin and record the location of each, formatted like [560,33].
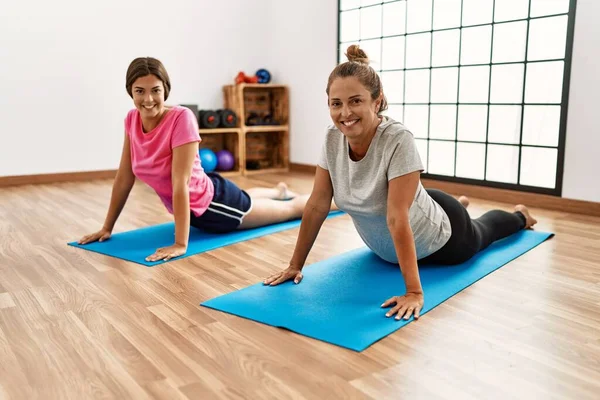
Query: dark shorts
[226,210]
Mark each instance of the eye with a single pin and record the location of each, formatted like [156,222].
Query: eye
[156,90]
[356,101]
[138,91]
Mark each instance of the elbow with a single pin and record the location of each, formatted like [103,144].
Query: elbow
[397,221]
[181,184]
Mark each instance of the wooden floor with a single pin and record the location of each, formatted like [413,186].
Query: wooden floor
[80,325]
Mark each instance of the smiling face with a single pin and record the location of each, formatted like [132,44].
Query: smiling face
[148,94]
[352,109]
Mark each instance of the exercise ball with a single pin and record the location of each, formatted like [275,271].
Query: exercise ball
[263,75]
[208,159]
[225,160]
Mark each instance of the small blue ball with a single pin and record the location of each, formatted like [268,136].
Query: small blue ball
[208,159]
[263,75]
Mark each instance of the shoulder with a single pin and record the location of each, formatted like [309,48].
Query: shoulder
[131,115]
[182,113]
[332,135]
[394,131]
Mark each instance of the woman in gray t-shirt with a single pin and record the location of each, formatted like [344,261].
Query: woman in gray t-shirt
[371,167]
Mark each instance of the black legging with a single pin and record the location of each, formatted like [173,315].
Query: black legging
[471,235]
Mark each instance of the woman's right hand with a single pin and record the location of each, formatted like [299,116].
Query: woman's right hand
[102,235]
[287,274]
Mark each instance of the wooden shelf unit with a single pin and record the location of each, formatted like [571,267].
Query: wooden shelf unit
[225,138]
[265,147]
[256,148]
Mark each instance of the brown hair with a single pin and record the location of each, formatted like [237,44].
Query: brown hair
[143,66]
[358,66]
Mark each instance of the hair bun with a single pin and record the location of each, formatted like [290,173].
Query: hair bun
[356,54]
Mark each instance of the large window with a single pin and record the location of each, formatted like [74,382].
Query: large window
[482,84]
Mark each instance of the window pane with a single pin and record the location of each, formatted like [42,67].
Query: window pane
[418,50]
[549,7]
[343,49]
[444,85]
[446,14]
[507,10]
[474,84]
[393,53]
[544,82]
[365,3]
[509,42]
[502,162]
[419,15]
[393,86]
[416,119]
[538,167]
[422,149]
[470,160]
[441,158]
[394,18]
[505,124]
[395,112]
[370,22]
[443,122]
[541,125]
[347,4]
[350,26]
[373,49]
[477,12]
[507,83]
[476,44]
[547,38]
[472,123]
[417,86]
[445,48]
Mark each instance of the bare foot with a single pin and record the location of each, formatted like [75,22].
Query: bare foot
[529,220]
[284,192]
[464,200]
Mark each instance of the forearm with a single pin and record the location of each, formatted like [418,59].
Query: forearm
[181,213]
[404,244]
[312,220]
[120,193]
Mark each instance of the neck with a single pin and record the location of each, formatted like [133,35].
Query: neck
[360,145]
[150,123]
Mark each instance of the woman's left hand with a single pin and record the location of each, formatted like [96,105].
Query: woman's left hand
[407,305]
[166,253]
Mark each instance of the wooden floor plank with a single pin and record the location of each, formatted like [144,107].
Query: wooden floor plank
[76,324]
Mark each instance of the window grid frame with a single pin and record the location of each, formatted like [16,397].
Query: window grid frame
[560,147]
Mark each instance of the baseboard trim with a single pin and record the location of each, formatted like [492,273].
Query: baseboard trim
[6,181]
[501,195]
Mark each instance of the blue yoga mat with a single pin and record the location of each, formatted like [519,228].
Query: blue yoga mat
[138,244]
[339,299]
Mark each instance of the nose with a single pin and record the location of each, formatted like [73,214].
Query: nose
[345,110]
[148,98]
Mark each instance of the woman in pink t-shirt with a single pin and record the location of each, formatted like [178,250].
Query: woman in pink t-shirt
[161,149]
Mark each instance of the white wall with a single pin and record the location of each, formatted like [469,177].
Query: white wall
[63,65]
[582,155]
[303,53]
[62,71]
[306,53]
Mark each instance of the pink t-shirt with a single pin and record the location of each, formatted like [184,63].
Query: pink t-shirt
[152,156]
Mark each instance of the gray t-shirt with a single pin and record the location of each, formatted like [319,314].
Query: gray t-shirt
[360,188]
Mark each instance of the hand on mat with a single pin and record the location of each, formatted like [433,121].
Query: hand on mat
[166,253]
[407,305]
[101,236]
[285,275]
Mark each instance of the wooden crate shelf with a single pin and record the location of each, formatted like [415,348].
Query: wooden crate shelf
[225,139]
[267,128]
[218,130]
[263,148]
